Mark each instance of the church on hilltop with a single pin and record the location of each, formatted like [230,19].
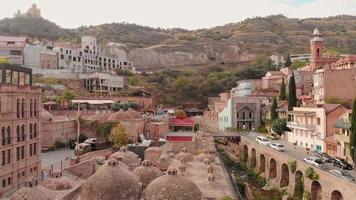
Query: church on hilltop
[34,11]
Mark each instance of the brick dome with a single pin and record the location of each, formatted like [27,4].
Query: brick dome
[172,187]
[127,157]
[206,155]
[112,181]
[32,191]
[163,162]
[184,155]
[147,173]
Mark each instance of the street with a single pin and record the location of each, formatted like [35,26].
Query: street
[296,152]
[54,157]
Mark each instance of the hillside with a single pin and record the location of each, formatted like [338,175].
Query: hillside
[232,43]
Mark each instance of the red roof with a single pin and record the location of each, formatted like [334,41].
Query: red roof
[183,122]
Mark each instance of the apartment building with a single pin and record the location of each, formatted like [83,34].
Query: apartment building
[342,128]
[40,56]
[12,48]
[312,126]
[99,82]
[20,128]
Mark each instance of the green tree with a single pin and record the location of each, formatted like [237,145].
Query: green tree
[274,114]
[279,126]
[288,61]
[292,94]
[282,91]
[180,114]
[119,136]
[297,64]
[353,132]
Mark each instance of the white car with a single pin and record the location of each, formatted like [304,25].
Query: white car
[262,140]
[343,174]
[315,161]
[277,146]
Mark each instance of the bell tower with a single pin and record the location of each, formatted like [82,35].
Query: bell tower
[317,47]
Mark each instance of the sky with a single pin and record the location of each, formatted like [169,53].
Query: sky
[187,14]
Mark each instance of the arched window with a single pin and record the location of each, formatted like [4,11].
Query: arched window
[31,129]
[35,107]
[23,132]
[250,115]
[317,52]
[31,108]
[18,133]
[18,108]
[8,135]
[3,136]
[23,108]
[243,115]
[35,130]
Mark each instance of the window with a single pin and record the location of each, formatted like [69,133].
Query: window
[23,108]
[318,121]
[30,149]
[31,131]
[17,153]
[22,78]
[317,52]
[35,108]
[8,156]
[18,108]
[22,152]
[3,183]
[8,135]
[3,136]
[8,76]
[243,115]
[35,149]
[250,115]
[31,108]
[15,78]
[3,159]
[23,132]
[18,133]
[35,130]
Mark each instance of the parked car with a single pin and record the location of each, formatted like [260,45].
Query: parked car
[262,140]
[315,161]
[277,146]
[342,163]
[343,174]
[325,157]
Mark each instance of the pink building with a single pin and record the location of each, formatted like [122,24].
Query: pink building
[20,128]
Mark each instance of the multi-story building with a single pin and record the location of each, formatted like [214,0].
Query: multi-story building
[312,125]
[246,87]
[12,48]
[246,112]
[19,126]
[342,135]
[332,84]
[40,56]
[210,118]
[98,82]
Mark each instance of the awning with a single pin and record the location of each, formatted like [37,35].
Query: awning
[94,102]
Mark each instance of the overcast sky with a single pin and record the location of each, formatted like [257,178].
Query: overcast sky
[188,14]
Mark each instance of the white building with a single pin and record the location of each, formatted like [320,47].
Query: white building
[225,117]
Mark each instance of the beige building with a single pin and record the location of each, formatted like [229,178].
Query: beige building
[98,82]
[12,48]
[342,135]
[20,128]
[312,126]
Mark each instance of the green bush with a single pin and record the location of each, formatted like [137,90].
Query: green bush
[262,129]
[311,174]
[59,144]
[292,166]
[227,198]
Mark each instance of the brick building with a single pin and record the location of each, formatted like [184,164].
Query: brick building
[20,128]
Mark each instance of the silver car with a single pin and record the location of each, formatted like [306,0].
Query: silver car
[343,174]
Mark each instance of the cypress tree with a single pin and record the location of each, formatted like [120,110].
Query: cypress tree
[288,61]
[274,114]
[292,94]
[282,91]
[353,132]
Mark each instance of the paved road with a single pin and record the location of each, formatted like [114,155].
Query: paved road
[53,157]
[298,153]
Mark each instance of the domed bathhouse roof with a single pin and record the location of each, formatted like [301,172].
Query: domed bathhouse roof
[147,173]
[32,191]
[127,157]
[206,155]
[124,115]
[58,182]
[163,162]
[184,155]
[172,187]
[112,181]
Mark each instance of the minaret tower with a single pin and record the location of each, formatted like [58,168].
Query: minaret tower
[317,47]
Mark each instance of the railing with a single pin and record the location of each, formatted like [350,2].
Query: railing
[300,125]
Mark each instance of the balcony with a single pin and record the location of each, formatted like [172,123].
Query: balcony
[342,138]
[297,125]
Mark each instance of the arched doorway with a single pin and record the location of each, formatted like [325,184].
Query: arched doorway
[262,167]
[253,159]
[245,154]
[284,176]
[316,190]
[336,195]
[272,169]
[299,186]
